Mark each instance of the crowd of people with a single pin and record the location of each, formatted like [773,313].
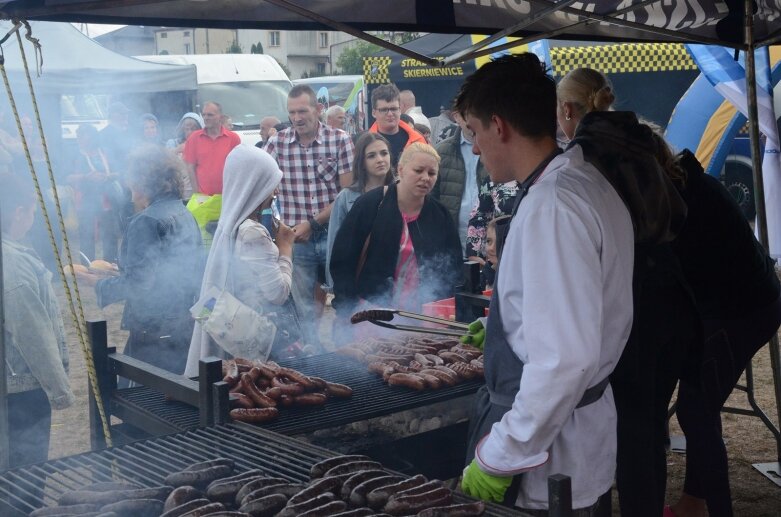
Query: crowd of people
[605,300]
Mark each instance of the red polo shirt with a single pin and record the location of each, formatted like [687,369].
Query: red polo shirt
[208,155]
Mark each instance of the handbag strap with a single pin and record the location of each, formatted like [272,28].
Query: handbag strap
[365,250]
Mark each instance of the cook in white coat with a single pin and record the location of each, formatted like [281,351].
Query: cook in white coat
[562,306]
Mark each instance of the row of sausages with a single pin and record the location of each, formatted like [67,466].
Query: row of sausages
[343,486]
[259,389]
[419,363]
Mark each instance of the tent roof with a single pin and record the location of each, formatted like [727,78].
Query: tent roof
[649,20]
[69,57]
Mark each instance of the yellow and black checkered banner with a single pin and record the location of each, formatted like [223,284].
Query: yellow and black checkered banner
[622,58]
[376,70]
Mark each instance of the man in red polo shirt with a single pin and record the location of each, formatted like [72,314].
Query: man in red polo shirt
[206,149]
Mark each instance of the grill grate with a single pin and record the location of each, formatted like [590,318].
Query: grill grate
[371,398]
[147,463]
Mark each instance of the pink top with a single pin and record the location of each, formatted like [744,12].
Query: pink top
[407,278]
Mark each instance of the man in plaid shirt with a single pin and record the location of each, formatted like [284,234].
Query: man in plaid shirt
[316,162]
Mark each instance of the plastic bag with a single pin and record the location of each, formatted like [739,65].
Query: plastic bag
[205,210]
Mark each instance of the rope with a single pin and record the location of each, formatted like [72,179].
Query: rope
[78,320]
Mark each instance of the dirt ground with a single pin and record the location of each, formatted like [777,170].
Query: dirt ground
[748,439]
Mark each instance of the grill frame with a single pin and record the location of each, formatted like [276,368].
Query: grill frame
[147,462]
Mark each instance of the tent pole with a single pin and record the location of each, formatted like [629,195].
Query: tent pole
[4,430]
[759,196]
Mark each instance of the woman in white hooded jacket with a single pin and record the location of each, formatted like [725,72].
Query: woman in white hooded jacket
[244,259]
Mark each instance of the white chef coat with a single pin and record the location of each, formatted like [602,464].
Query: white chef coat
[565,285]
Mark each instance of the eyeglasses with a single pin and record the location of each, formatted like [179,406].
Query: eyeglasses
[385,111]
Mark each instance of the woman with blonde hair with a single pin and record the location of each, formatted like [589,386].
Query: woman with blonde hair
[665,322]
[397,247]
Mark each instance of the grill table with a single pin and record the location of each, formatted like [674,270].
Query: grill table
[147,462]
[407,429]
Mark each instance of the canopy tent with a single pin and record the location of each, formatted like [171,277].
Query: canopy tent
[70,57]
[723,22]
[693,20]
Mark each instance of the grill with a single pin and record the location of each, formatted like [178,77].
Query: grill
[371,398]
[147,462]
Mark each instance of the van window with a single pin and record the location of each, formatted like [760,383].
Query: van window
[249,101]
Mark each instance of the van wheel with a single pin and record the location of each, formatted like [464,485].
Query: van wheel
[739,181]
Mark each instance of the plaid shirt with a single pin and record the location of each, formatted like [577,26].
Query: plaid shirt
[310,180]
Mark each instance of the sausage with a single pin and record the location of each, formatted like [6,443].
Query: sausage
[135,508]
[240,400]
[205,510]
[358,512]
[294,510]
[184,508]
[254,415]
[455,510]
[309,399]
[435,359]
[407,380]
[267,371]
[452,357]
[181,495]
[352,353]
[326,510]
[359,477]
[252,391]
[200,478]
[353,466]
[404,505]
[318,383]
[432,381]
[286,489]
[244,365]
[371,314]
[318,487]
[255,374]
[265,506]
[445,378]
[76,509]
[225,492]
[103,498]
[274,393]
[263,383]
[106,486]
[334,389]
[320,468]
[256,484]
[249,474]
[229,513]
[358,495]
[377,498]
[287,386]
[420,489]
[211,463]
[294,376]
[230,372]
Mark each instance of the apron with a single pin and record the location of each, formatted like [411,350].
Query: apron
[503,368]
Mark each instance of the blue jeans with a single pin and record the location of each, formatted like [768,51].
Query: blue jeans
[307,256]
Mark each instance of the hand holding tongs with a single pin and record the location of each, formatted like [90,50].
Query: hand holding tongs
[381,317]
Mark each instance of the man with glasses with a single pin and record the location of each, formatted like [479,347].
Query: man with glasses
[206,149]
[316,162]
[386,109]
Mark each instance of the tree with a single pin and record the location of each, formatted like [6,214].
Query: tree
[284,68]
[350,62]
[234,48]
[256,48]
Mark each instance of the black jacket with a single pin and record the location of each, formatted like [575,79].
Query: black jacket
[434,237]
[161,267]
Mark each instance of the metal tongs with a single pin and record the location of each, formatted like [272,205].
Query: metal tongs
[381,317]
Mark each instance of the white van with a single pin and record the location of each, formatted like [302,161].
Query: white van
[347,91]
[247,86]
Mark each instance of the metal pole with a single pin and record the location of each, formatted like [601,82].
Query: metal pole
[759,192]
[4,431]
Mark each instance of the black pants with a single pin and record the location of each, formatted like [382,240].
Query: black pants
[643,382]
[729,346]
[29,425]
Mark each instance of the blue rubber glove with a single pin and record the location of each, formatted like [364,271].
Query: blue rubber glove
[475,335]
[477,483]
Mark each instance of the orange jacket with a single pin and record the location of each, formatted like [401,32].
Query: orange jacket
[413,136]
